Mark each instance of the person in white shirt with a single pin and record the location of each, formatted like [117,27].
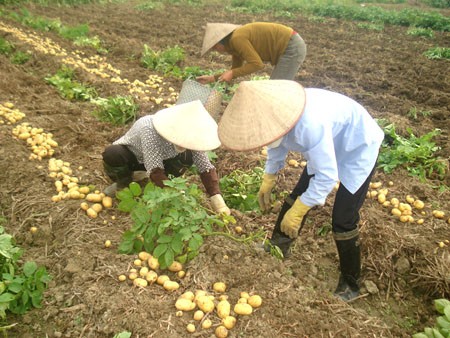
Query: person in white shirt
[339,140]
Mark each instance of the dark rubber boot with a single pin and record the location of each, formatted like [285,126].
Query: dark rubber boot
[278,238]
[122,177]
[350,264]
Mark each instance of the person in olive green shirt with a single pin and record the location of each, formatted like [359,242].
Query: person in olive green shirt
[252,45]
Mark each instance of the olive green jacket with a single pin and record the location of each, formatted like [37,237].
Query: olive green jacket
[255,43]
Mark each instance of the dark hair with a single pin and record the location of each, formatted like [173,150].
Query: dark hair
[225,40]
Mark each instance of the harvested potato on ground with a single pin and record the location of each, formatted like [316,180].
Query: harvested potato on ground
[243,309]
[175,266]
[198,315]
[205,304]
[206,324]
[184,304]
[171,285]
[221,332]
[140,282]
[190,328]
[229,322]
[223,309]
[254,301]
[219,287]
[107,202]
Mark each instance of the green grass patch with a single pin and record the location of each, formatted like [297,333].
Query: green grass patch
[165,61]
[118,110]
[422,32]
[438,53]
[68,87]
[416,154]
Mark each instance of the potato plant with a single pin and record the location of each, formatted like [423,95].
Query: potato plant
[169,223]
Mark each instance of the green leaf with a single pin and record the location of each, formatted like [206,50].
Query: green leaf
[126,245]
[442,322]
[127,205]
[177,244]
[195,242]
[160,250]
[441,304]
[6,297]
[168,259]
[135,189]
[437,334]
[447,312]
[15,287]
[29,268]
[164,239]
[419,335]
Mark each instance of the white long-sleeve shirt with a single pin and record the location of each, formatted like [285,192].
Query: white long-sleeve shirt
[338,138]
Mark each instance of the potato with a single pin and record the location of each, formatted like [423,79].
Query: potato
[179,314]
[151,276]
[162,279]
[83,190]
[219,287]
[205,304]
[418,204]
[143,271]
[244,294]
[171,285]
[107,202]
[122,278]
[254,301]
[395,202]
[221,332]
[175,266]
[107,243]
[97,207]
[242,301]
[381,198]
[143,256]
[96,198]
[137,262]
[396,212]
[91,213]
[438,214]
[409,199]
[243,309]
[188,295]
[190,328]
[375,185]
[153,263]
[184,304]
[223,309]
[198,315]
[293,163]
[181,274]
[229,322]
[140,282]
[206,324]
[133,275]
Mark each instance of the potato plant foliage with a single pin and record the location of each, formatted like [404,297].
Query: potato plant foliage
[169,223]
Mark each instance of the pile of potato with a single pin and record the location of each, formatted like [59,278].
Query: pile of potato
[215,309]
[145,272]
[9,114]
[41,144]
[411,210]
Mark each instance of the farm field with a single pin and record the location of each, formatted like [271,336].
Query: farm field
[404,267]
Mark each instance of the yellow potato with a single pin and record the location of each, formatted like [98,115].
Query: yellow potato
[223,309]
[181,274]
[107,243]
[229,322]
[243,309]
[175,266]
[91,213]
[244,294]
[122,278]
[219,287]
[190,328]
[151,276]
[96,198]
[97,207]
[205,304]
[84,206]
[254,301]
[221,332]
[438,214]
[198,315]
[184,304]
[418,204]
[162,279]
[140,282]
[171,285]
[143,271]
[188,295]
[153,263]
[206,324]
[133,275]
[107,202]
[143,256]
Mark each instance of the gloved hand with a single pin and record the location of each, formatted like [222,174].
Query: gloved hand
[293,218]
[219,205]
[265,191]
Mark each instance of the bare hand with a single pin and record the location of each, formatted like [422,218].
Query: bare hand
[205,79]
[227,76]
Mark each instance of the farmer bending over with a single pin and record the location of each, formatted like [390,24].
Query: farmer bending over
[168,142]
[253,44]
[338,138]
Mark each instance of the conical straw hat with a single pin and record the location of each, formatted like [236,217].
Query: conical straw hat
[214,33]
[188,125]
[261,112]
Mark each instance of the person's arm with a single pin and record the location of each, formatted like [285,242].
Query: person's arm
[247,60]
[153,158]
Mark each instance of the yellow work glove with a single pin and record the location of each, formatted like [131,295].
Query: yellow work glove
[265,191]
[293,218]
[218,205]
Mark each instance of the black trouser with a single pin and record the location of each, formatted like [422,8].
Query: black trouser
[346,206]
[120,156]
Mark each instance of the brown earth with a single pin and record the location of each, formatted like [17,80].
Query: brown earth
[385,71]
